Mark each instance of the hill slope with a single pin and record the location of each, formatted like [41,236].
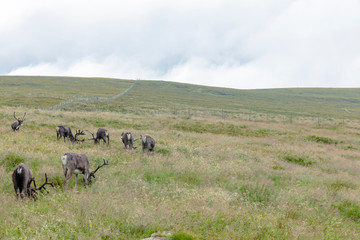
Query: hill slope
[209,178]
[45,92]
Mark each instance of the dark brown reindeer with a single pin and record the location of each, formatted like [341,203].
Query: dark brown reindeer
[101,134]
[63,131]
[78,164]
[18,123]
[148,143]
[22,178]
[128,140]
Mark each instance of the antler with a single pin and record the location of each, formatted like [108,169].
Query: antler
[92,174]
[77,133]
[91,134]
[140,137]
[24,116]
[15,116]
[42,187]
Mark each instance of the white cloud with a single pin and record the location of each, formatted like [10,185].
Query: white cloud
[239,44]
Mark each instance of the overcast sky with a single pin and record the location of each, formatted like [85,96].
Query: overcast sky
[245,44]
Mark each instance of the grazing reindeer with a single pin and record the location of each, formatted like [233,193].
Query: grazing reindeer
[148,143]
[18,123]
[22,178]
[63,131]
[78,164]
[128,140]
[102,134]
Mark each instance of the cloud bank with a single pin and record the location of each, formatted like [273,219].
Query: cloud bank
[236,44]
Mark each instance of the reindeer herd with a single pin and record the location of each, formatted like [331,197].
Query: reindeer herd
[72,163]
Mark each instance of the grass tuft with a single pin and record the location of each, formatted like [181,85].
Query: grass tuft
[223,128]
[257,193]
[163,151]
[319,139]
[182,236]
[340,184]
[11,161]
[350,209]
[300,160]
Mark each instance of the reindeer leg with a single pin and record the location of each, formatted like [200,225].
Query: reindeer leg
[30,192]
[22,192]
[76,175]
[16,191]
[67,178]
[86,179]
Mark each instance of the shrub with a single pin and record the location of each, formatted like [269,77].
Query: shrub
[259,193]
[163,151]
[325,140]
[349,209]
[182,236]
[11,161]
[340,184]
[58,180]
[223,128]
[300,160]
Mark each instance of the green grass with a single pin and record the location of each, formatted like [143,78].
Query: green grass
[210,177]
[224,128]
[319,139]
[178,98]
[300,160]
[11,160]
[350,209]
[182,236]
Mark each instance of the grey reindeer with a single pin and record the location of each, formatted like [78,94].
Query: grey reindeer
[128,140]
[74,163]
[18,123]
[148,143]
[22,178]
[63,131]
[101,134]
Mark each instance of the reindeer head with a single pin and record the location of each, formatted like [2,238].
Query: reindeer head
[20,121]
[78,133]
[92,174]
[93,137]
[143,138]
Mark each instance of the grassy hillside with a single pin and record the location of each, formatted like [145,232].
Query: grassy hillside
[45,92]
[210,177]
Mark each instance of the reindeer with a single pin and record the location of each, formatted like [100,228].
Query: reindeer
[128,140]
[148,143]
[102,134]
[63,131]
[18,123]
[78,164]
[22,178]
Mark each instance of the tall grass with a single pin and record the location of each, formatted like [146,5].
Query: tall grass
[207,179]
